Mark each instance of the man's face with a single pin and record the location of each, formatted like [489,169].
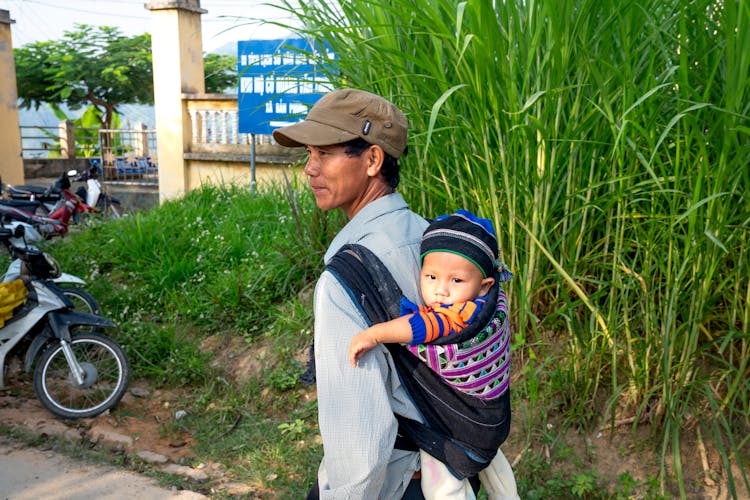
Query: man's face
[337,179]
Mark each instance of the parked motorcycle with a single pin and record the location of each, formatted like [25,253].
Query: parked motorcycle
[54,224]
[96,196]
[39,199]
[78,373]
[46,226]
[70,284]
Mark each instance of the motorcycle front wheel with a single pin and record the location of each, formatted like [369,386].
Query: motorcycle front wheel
[110,208]
[105,379]
[115,210]
[82,300]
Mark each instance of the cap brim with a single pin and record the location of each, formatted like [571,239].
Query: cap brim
[311,133]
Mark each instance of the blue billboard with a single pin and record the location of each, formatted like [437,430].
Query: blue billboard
[278,82]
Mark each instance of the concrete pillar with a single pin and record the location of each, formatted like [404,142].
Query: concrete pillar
[11,161]
[67,139]
[177,50]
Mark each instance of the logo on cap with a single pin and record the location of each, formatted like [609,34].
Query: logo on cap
[366,127]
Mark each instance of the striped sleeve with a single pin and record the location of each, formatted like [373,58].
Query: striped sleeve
[428,324]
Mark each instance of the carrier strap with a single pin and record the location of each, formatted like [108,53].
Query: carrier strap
[462,431]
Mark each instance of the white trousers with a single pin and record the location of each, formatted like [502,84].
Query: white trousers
[439,484]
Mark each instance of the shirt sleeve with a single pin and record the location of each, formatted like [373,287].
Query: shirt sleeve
[355,409]
[428,323]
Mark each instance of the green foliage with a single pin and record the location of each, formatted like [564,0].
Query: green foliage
[220,72]
[165,353]
[292,430]
[273,450]
[539,477]
[583,484]
[609,142]
[85,129]
[225,262]
[221,258]
[99,67]
[228,262]
[285,376]
[89,66]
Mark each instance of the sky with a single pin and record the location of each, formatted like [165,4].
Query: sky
[226,20]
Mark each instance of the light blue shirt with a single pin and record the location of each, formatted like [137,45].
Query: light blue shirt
[356,405]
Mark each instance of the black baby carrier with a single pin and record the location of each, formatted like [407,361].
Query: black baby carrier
[462,431]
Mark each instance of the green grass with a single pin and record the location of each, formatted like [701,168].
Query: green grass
[219,259]
[221,262]
[610,143]
[263,429]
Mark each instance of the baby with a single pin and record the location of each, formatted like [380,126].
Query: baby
[459,266]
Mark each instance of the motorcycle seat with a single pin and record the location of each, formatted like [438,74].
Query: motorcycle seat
[27,190]
[29,206]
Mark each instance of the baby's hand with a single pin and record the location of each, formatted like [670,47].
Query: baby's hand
[360,344]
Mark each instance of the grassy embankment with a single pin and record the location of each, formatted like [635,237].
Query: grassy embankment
[227,264]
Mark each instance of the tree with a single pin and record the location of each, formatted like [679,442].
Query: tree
[99,67]
[221,72]
[95,66]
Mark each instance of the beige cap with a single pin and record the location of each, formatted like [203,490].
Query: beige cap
[343,115]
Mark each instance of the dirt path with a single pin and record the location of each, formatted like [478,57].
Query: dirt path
[26,472]
[30,474]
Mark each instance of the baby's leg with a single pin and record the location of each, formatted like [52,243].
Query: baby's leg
[497,479]
[439,484]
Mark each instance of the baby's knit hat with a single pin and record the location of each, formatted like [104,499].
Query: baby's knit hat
[465,234]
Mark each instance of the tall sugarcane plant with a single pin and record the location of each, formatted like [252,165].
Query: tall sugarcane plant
[610,143]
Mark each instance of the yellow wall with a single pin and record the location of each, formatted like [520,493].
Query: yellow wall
[11,162]
[218,173]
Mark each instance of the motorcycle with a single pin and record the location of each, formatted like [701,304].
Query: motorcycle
[54,224]
[78,372]
[39,199]
[96,196]
[44,225]
[81,299]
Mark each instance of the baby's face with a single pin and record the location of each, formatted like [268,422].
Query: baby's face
[448,278]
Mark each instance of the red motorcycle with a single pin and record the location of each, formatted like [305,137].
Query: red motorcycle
[54,224]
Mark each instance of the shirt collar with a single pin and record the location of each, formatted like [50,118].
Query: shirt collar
[359,226]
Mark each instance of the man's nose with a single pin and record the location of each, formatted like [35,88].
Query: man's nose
[311,167]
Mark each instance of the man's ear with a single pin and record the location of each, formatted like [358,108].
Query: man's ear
[374,157]
[486,285]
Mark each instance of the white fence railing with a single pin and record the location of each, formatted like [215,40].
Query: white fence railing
[220,126]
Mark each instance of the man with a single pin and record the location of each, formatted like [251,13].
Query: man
[354,140]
